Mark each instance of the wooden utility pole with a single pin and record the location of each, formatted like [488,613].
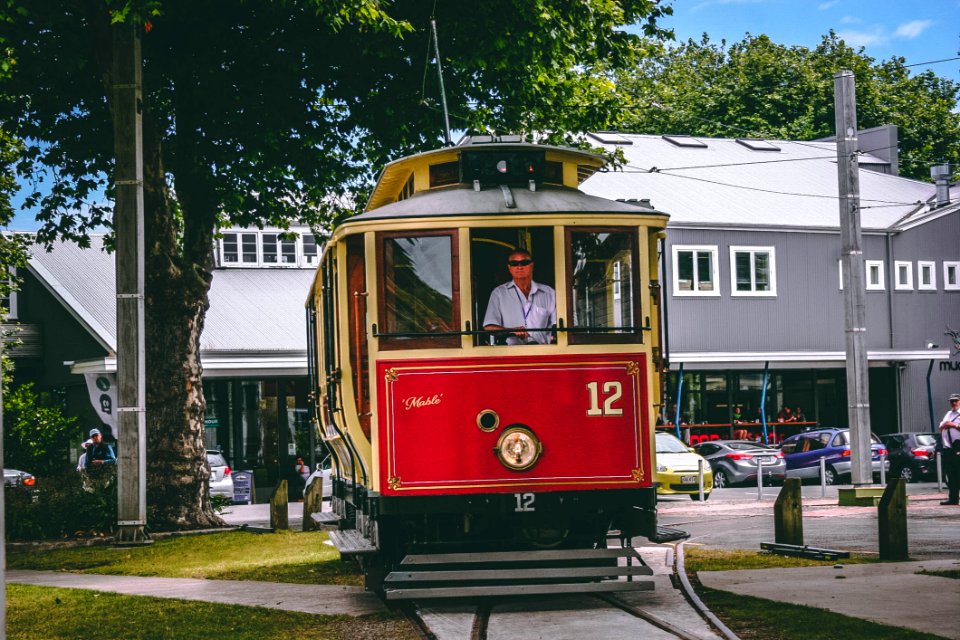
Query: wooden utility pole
[128,225]
[3,521]
[848,171]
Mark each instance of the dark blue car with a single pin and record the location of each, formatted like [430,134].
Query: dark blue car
[804,450]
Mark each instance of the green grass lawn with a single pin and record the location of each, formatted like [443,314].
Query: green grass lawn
[301,558]
[700,559]
[285,556]
[76,614]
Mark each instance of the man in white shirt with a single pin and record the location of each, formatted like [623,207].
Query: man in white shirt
[521,307]
[950,456]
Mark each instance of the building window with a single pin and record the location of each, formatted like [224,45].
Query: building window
[8,297]
[239,248]
[951,276]
[926,276]
[753,271]
[904,273]
[277,250]
[311,252]
[875,279]
[695,271]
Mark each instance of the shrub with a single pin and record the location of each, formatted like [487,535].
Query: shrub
[36,434]
[61,506]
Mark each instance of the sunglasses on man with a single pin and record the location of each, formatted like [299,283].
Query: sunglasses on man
[519,263]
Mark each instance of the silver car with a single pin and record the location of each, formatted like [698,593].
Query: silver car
[15,478]
[221,482]
[735,461]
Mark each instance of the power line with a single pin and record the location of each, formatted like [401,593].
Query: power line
[920,64]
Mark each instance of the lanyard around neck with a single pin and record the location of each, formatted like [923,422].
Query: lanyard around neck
[526,309]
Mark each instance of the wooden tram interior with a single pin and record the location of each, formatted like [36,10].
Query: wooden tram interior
[400,296]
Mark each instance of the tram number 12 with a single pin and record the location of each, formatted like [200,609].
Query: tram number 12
[524,502]
[612,391]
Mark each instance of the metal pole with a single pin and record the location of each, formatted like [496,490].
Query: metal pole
[763,400]
[676,418]
[443,93]
[700,477]
[933,421]
[858,407]
[939,472]
[128,225]
[883,470]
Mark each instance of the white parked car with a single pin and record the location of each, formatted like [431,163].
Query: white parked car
[221,482]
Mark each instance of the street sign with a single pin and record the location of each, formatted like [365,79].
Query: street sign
[243,487]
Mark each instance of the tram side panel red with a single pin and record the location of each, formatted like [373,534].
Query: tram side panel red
[589,412]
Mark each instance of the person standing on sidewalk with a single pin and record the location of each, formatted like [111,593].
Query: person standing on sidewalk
[950,449]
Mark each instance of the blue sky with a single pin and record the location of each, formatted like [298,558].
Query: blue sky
[918,31]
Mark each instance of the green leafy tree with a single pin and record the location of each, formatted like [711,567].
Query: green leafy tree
[761,88]
[36,434]
[260,113]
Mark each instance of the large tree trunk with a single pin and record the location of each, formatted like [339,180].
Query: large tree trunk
[178,494]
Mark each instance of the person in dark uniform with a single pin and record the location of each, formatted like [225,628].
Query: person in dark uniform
[950,450]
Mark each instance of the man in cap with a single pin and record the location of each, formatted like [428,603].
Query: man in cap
[950,449]
[99,453]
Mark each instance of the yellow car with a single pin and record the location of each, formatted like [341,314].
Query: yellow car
[678,468]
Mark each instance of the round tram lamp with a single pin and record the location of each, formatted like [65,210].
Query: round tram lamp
[502,166]
[518,448]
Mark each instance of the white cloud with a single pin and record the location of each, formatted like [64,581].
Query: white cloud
[912,29]
[863,38]
[850,20]
[823,6]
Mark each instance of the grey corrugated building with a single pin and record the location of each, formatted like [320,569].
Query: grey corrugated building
[752,278]
[253,347]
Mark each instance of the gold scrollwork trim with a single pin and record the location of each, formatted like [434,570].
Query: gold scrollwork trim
[394,482]
[638,474]
[633,369]
[390,375]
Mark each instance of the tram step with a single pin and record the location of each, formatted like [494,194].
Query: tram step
[453,575]
[350,542]
[325,517]
[558,555]
[517,589]
[485,575]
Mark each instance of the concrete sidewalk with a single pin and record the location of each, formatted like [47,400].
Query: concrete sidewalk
[307,598]
[890,593]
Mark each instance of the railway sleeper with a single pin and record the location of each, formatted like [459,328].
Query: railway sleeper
[426,576]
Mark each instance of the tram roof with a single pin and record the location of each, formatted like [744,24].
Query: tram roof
[463,200]
[395,172]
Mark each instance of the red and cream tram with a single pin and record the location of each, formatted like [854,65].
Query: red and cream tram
[452,438]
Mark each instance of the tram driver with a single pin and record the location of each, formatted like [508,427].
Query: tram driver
[524,310]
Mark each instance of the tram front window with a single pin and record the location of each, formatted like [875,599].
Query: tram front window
[418,298]
[603,300]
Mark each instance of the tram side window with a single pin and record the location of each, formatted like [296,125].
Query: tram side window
[419,294]
[603,274]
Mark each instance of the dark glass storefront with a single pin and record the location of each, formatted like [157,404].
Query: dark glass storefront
[261,426]
[727,404]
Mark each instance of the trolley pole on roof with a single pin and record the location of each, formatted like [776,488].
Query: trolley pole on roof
[858,405]
[128,225]
[443,92]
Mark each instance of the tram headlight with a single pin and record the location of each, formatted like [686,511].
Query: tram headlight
[662,468]
[518,448]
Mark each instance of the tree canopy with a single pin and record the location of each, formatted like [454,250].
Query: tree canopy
[757,87]
[259,113]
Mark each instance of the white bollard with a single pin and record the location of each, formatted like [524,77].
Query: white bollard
[883,469]
[700,476]
[939,472]
[823,477]
[759,478]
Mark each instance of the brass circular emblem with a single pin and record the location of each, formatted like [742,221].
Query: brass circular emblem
[518,448]
[488,420]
